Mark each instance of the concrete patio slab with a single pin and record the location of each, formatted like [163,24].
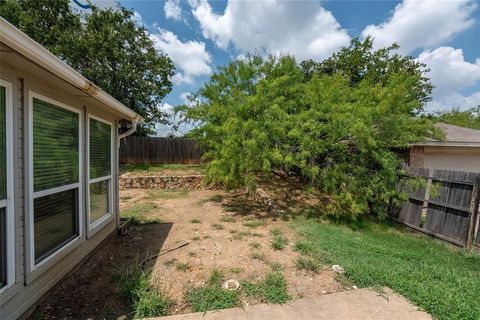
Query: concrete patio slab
[362,304]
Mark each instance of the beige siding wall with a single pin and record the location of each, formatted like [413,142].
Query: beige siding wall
[450,158]
[32,285]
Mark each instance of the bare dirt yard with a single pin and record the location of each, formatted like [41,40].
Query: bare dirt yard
[224,232]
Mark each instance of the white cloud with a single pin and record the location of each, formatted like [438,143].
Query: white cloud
[450,73]
[190,57]
[423,24]
[306,30]
[173,10]
[137,18]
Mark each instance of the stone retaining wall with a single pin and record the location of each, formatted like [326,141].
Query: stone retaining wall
[194,182]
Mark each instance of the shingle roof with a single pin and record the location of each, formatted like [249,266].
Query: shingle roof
[459,134]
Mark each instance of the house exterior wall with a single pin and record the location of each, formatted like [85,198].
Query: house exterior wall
[31,285]
[452,158]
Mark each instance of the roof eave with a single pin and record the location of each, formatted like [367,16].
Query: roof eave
[26,46]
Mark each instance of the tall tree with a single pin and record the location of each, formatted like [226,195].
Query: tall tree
[336,130]
[106,46]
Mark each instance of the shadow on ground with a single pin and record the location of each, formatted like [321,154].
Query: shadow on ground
[77,296]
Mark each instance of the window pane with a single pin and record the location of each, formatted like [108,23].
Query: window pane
[55,146]
[99,200]
[3,150]
[3,248]
[100,149]
[55,222]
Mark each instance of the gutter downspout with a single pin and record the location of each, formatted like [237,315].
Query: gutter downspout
[137,120]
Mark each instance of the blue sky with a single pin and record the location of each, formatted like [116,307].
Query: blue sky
[200,35]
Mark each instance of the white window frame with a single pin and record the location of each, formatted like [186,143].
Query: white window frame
[97,225]
[33,195]
[9,202]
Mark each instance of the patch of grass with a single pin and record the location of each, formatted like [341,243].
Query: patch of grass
[139,213]
[166,194]
[271,290]
[257,255]
[254,223]
[218,226]
[276,266]
[279,241]
[256,234]
[442,280]
[308,264]
[195,220]
[196,238]
[255,245]
[236,270]
[228,219]
[303,246]
[212,296]
[146,299]
[183,266]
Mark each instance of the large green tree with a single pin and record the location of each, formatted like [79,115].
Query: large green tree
[106,46]
[336,130]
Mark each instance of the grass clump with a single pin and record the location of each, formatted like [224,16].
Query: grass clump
[276,266]
[308,264]
[442,280]
[228,219]
[139,213]
[147,300]
[258,256]
[218,226]
[279,241]
[196,238]
[195,220]
[273,289]
[212,296]
[303,246]
[254,223]
[255,245]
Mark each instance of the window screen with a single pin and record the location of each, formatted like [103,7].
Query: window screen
[55,222]
[100,162]
[100,149]
[55,146]
[55,165]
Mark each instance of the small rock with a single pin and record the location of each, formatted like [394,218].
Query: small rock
[354,287]
[124,317]
[324,292]
[338,269]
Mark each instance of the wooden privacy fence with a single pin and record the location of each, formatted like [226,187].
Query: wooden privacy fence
[445,207]
[136,150]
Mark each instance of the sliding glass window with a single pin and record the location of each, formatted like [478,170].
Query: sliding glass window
[100,170]
[56,177]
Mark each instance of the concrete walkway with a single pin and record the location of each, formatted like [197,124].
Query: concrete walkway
[362,304]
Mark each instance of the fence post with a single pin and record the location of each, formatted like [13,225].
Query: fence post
[472,224]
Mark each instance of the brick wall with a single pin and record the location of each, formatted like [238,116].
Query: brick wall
[416,158]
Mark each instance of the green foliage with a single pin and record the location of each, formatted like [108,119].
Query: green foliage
[212,296]
[440,279]
[254,223]
[218,226]
[228,219]
[183,266]
[279,241]
[147,301]
[195,220]
[106,46]
[335,128]
[308,264]
[273,289]
[469,118]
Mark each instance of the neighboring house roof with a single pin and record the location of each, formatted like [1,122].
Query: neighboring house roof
[455,136]
[26,46]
